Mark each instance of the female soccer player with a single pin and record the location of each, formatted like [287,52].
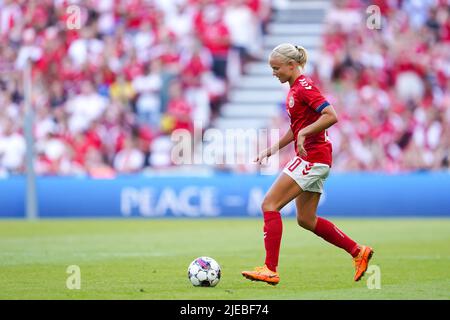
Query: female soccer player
[303,177]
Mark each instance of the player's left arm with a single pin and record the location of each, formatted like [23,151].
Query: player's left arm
[327,119]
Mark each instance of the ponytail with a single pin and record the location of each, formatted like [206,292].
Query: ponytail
[287,52]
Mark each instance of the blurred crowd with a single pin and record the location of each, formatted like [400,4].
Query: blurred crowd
[390,83]
[110,87]
[113,78]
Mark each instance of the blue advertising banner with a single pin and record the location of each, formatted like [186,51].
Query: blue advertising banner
[224,195]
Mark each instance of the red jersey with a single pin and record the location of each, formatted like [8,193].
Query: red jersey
[304,105]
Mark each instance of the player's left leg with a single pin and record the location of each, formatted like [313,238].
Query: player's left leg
[283,191]
[306,204]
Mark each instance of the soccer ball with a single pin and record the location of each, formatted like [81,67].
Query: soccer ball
[204,272]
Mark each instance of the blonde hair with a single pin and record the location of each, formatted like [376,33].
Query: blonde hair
[287,52]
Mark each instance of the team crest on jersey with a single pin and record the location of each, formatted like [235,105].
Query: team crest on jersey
[291,101]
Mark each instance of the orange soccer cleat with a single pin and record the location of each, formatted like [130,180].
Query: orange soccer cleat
[262,274]
[362,261]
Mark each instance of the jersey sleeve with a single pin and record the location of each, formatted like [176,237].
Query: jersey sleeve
[313,98]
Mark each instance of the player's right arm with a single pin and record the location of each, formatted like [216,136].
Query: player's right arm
[284,141]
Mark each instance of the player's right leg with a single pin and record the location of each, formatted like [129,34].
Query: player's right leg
[284,190]
[307,203]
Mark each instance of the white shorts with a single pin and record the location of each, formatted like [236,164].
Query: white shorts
[309,176]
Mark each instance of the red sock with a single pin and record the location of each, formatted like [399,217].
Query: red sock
[273,229]
[328,231]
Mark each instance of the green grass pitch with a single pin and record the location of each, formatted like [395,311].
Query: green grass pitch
[148,259]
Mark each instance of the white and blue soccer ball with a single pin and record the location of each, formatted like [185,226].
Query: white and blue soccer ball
[204,272]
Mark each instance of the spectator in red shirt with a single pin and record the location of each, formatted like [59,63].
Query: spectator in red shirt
[179,109]
[216,37]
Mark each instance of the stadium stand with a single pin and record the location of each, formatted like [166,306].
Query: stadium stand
[108,96]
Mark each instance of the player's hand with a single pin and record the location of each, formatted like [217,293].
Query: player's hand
[265,154]
[301,150]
